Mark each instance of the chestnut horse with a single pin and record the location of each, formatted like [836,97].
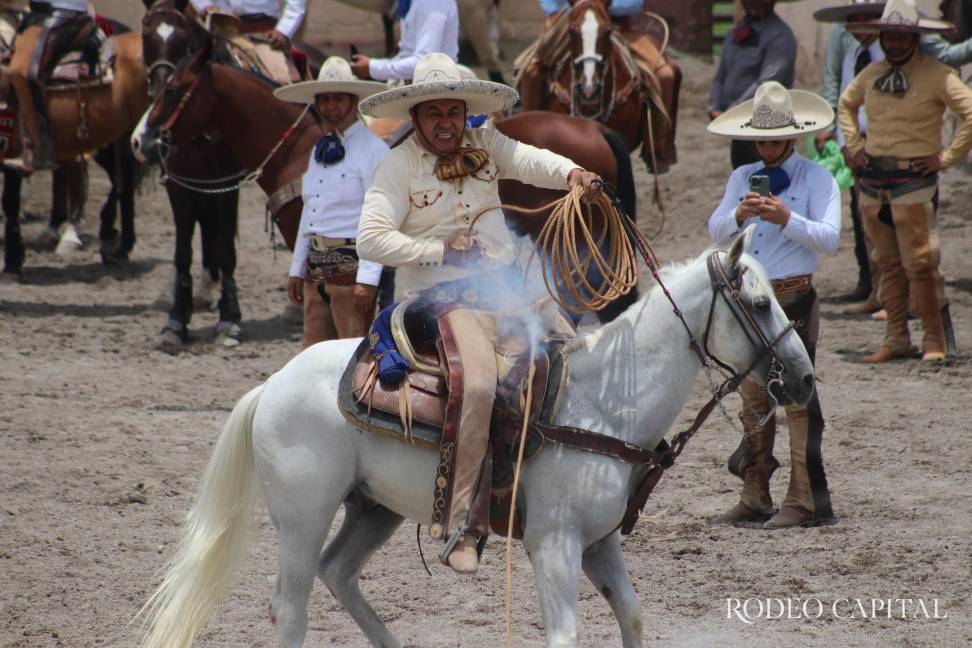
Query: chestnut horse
[277,135]
[599,79]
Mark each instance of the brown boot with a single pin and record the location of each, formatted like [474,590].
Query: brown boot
[886,353]
[741,513]
[789,516]
[865,307]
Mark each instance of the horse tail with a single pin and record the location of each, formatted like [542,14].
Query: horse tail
[625,181]
[214,537]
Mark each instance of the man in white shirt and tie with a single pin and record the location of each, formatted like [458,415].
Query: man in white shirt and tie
[326,270]
[426,26]
[266,30]
[797,217]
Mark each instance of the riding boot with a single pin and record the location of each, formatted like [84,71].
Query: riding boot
[753,460]
[919,258]
[807,501]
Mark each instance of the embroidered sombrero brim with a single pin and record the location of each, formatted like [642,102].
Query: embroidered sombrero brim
[305,91]
[843,12]
[923,25]
[481,97]
[811,114]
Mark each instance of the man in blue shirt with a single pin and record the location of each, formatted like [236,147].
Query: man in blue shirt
[760,48]
[795,221]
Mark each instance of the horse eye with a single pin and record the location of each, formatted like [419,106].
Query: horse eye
[761,305]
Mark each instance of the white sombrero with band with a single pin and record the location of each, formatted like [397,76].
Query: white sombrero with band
[841,13]
[775,113]
[438,77]
[902,16]
[335,76]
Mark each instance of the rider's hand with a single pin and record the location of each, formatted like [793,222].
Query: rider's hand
[773,210]
[714,113]
[364,298]
[359,65]
[752,205]
[927,165]
[295,290]
[278,41]
[590,181]
[822,138]
[462,250]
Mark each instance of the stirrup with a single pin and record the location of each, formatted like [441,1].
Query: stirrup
[452,542]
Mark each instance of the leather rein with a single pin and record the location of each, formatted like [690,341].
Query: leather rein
[653,461]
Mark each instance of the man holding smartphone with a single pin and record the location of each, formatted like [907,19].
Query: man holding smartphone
[794,205]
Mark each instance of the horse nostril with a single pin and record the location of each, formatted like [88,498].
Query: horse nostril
[808,381]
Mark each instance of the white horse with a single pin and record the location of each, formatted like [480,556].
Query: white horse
[628,379]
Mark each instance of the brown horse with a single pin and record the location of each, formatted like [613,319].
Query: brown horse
[593,75]
[271,139]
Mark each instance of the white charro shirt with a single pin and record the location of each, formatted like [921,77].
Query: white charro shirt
[333,195]
[429,26]
[814,226]
[408,212]
[288,21]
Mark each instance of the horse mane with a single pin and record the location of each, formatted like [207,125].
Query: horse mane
[759,288]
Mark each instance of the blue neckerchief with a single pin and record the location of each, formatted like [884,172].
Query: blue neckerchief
[779,179]
[329,149]
[475,121]
[403,7]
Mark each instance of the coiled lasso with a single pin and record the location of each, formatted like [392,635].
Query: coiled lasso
[568,249]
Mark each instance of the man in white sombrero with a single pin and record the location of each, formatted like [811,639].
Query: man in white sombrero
[848,52]
[905,97]
[336,289]
[417,217]
[794,205]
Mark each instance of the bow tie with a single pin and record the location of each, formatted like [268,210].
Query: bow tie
[779,179]
[403,7]
[893,82]
[329,149]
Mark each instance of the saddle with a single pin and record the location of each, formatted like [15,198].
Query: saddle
[89,64]
[413,411]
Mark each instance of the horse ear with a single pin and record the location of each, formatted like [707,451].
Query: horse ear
[740,245]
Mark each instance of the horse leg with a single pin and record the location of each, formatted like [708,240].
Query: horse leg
[302,530]
[13,242]
[210,220]
[366,527]
[604,565]
[126,195]
[176,330]
[556,561]
[66,208]
[226,212]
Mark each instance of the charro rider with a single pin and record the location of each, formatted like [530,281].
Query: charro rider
[265,31]
[426,26]
[325,267]
[50,30]
[797,220]
[416,215]
[905,97]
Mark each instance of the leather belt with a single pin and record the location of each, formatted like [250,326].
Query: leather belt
[319,242]
[887,163]
[253,17]
[791,284]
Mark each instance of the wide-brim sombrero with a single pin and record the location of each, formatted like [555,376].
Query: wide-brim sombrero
[775,113]
[841,13]
[438,77]
[901,16]
[335,77]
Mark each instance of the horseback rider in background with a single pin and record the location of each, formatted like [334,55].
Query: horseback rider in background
[264,31]
[49,31]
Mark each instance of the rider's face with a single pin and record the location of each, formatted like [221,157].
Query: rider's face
[758,9]
[772,152]
[334,107]
[442,122]
[897,45]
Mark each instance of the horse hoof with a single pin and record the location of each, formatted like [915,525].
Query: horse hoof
[174,336]
[47,238]
[69,242]
[228,334]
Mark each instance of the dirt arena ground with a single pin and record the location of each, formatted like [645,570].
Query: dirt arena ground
[103,438]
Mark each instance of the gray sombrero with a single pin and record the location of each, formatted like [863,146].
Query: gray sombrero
[438,77]
[775,113]
[902,16]
[842,12]
[335,76]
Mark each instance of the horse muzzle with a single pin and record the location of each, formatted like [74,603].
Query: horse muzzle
[796,390]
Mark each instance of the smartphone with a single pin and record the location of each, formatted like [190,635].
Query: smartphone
[353,51]
[760,184]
